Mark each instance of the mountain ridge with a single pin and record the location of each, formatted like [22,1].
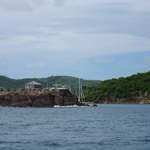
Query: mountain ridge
[69,81]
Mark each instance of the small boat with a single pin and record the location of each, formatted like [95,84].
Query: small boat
[94,105]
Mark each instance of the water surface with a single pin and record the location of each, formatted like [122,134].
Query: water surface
[106,127]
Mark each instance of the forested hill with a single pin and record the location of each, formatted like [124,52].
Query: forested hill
[70,82]
[122,88]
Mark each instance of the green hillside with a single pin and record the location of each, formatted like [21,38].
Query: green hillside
[70,82]
[129,87]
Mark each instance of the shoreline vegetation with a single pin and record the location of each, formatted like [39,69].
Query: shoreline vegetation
[134,89]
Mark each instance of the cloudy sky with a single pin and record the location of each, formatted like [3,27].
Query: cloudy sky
[91,39]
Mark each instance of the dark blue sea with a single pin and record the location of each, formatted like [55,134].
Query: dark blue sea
[106,127]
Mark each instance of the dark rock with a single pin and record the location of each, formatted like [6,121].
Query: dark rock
[37,98]
[43,100]
[64,97]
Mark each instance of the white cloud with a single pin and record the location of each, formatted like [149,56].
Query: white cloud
[21,5]
[138,5]
[66,32]
[73,33]
[84,45]
[133,5]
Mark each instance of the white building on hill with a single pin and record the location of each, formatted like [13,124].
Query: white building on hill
[33,85]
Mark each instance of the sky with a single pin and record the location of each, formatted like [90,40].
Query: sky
[90,39]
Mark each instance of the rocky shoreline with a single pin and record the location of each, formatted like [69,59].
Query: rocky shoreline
[133,100]
[37,98]
[61,97]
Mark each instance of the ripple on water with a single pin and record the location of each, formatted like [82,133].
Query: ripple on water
[110,127]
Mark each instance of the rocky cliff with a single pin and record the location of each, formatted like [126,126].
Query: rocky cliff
[37,98]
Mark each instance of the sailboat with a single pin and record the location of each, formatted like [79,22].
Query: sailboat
[79,92]
[81,96]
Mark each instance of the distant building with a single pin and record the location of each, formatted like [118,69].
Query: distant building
[33,85]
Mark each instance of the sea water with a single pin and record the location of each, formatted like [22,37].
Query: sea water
[106,127]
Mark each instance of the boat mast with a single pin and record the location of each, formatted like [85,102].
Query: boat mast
[79,96]
[82,94]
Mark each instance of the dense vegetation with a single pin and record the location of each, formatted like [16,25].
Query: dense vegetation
[129,87]
[69,82]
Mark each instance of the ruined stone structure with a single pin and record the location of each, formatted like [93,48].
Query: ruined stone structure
[33,85]
[63,97]
[37,98]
